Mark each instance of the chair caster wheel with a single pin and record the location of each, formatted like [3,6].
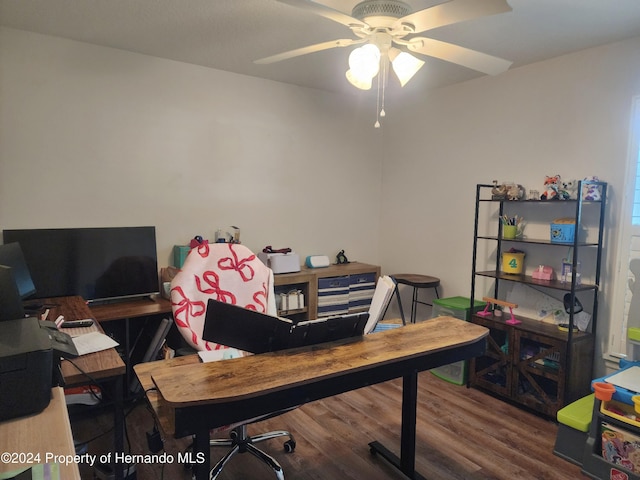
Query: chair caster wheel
[290,445]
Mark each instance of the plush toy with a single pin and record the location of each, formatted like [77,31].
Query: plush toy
[551,188]
[515,192]
[568,190]
[590,191]
[498,192]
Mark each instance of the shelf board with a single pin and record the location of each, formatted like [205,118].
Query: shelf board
[284,313]
[555,203]
[529,280]
[532,326]
[539,241]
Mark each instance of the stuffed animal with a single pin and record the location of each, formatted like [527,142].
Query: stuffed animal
[551,188]
[590,191]
[498,192]
[568,190]
[515,192]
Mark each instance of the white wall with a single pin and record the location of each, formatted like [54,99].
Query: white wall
[568,116]
[92,136]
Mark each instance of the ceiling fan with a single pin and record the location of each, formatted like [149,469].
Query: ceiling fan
[387,30]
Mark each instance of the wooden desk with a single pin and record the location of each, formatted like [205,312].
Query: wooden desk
[193,397]
[99,365]
[47,433]
[104,366]
[127,311]
[140,307]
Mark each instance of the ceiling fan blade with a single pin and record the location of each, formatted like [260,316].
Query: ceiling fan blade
[327,12]
[318,47]
[453,11]
[462,56]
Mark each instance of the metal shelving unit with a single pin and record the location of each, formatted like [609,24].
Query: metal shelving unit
[533,363]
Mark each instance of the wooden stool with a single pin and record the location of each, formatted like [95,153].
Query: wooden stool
[417,282]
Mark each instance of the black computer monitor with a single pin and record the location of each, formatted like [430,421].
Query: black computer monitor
[10,301]
[11,255]
[99,264]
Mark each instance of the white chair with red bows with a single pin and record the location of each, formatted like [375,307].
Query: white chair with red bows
[228,273]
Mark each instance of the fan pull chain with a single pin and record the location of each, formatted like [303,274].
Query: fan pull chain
[377,124]
[385,76]
[380,113]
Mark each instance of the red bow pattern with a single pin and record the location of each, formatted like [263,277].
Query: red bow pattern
[212,279]
[218,272]
[260,297]
[186,308]
[241,266]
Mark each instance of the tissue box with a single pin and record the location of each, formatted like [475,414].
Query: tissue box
[281,262]
[293,300]
[563,230]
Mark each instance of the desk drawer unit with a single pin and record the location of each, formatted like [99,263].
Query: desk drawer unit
[361,288]
[333,296]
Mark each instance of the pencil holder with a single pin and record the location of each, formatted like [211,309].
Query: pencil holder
[509,232]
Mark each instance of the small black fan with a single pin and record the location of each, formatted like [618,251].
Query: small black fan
[577,306]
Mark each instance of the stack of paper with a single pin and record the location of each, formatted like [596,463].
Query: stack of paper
[628,378]
[93,342]
[381,298]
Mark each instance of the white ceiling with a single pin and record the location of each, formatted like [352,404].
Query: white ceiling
[231,34]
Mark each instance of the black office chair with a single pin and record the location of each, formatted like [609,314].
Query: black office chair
[230,273]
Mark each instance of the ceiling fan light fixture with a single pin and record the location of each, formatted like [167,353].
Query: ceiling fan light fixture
[404,65]
[361,83]
[364,62]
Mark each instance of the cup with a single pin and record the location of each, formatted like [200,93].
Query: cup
[509,231]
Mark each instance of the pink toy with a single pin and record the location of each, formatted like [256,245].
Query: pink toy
[494,301]
[543,272]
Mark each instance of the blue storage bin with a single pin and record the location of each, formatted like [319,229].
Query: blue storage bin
[333,296]
[361,289]
[563,231]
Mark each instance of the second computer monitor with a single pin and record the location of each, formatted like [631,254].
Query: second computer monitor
[10,301]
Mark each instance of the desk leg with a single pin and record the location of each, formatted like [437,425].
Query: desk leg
[202,455]
[407,461]
[118,425]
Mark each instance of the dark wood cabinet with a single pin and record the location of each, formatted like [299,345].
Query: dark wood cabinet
[527,363]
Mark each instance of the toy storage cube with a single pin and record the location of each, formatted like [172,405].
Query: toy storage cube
[574,421]
[361,289]
[333,296]
[458,307]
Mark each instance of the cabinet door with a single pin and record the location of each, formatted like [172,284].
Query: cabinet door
[538,373]
[492,370]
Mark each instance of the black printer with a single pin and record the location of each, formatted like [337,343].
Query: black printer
[26,366]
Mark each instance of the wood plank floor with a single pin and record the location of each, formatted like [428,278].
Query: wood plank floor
[463,434]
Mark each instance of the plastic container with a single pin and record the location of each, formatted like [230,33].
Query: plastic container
[563,230]
[458,307]
[513,262]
